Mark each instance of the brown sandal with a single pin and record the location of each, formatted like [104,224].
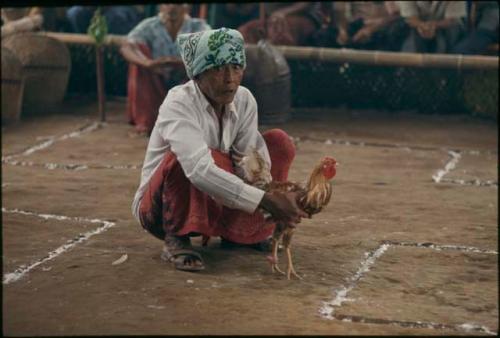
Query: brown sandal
[178,250]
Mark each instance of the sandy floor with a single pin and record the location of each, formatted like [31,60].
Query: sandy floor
[394,253]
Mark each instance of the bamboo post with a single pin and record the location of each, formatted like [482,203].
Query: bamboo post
[98,29]
[101,94]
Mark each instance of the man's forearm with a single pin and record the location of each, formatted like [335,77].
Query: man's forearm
[413,21]
[298,7]
[445,23]
[133,54]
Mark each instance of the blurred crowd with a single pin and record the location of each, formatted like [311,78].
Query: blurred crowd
[458,27]
[464,27]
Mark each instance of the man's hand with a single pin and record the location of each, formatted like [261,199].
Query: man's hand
[163,65]
[427,30]
[342,37]
[363,35]
[283,207]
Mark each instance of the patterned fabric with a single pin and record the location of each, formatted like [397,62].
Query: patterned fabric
[213,48]
[153,33]
[172,205]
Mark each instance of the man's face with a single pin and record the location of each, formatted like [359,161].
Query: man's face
[219,84]
[172,12]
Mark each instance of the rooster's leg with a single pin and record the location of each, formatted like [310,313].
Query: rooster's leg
[273,260]
[287,239]
[274,263]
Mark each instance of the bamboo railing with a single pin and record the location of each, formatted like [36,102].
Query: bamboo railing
[335,55]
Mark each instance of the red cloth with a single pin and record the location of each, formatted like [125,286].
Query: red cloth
[171,204]
[146,91]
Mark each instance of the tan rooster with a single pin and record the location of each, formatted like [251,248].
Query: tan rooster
[311,198]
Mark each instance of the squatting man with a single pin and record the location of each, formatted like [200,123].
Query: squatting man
[189,185]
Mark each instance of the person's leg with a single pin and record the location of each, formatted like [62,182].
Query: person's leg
[393,35]
[475,43]
[448,38]
[242,228]
[414,43]
[121,19]
[172,208]
[79,18]
[145,93]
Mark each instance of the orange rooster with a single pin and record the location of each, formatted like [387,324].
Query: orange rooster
[311,198]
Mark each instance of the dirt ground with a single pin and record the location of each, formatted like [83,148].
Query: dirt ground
[395,252]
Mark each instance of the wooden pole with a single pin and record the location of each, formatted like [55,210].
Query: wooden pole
[336,55]
[380,58]
[100,82]
[84,39]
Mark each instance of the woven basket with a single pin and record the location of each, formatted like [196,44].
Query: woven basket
[267,76]
[46,64]
[12,87]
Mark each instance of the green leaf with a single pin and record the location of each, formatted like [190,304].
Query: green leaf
[98,28]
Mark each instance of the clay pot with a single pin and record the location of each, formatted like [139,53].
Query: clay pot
[46,63]
[267,76]
[12,87]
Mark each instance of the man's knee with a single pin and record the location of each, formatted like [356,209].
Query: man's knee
[279,143]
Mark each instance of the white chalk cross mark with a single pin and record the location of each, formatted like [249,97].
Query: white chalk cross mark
[327,309]
[24,269]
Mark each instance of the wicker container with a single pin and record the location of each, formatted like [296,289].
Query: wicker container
[267,76]
[46,64]
[12,87]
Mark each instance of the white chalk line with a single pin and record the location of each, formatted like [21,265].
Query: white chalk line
[439,247]
[327,309]
[455,157]
[51,140]
[456,154]
[297,139]
[467,327]
[24,269]
[52,166]
[438,177]
[75,167]
[475,182]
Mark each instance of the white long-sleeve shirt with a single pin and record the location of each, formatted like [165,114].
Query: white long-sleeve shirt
[188,126]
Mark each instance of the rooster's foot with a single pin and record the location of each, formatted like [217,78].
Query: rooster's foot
[276,267]
[291,271]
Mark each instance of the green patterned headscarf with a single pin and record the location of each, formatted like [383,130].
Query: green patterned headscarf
[211,48]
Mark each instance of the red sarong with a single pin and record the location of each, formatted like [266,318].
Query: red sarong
[172,205]
[146,91]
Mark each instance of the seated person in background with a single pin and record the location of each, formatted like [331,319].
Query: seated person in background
[120,19]
[232,15]
[21,19]
[484,30]
[155,64]
[287,23]
[372,25]
[435,26]
[188,184]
